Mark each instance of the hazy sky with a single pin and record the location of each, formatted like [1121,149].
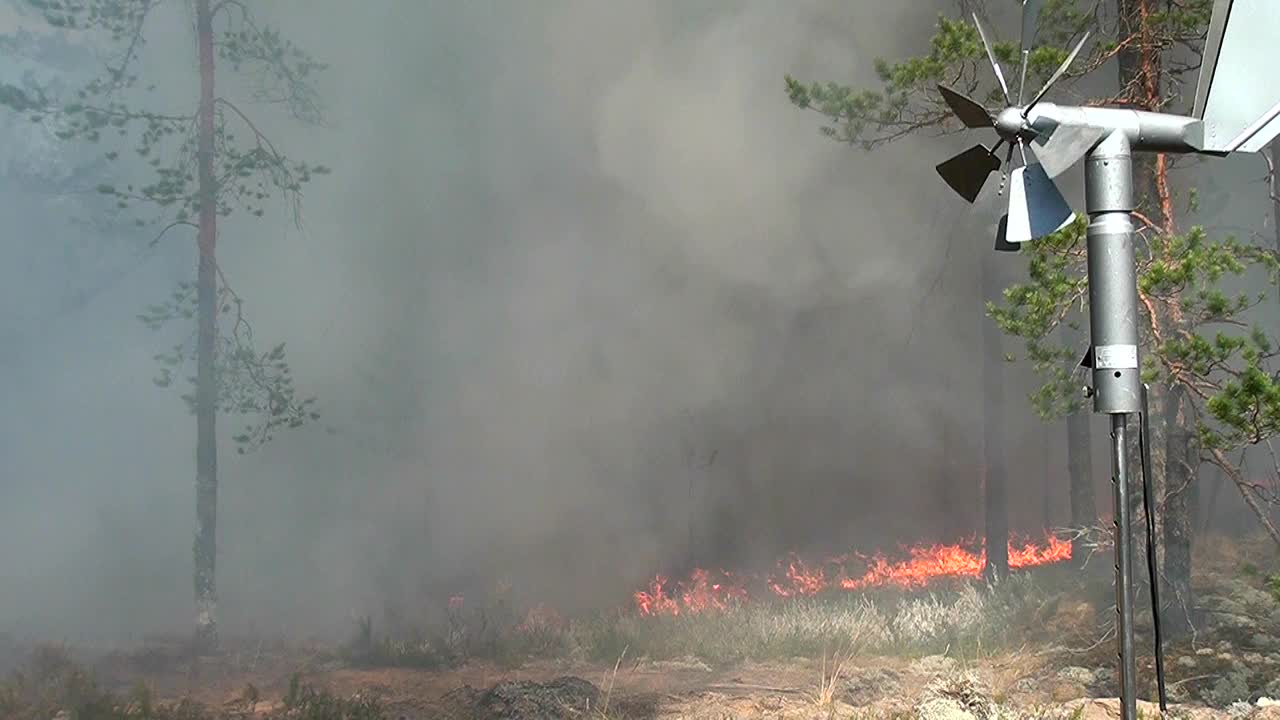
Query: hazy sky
[570,251]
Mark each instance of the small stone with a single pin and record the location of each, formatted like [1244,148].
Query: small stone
[1077,675]
[943,709]
[1025,685]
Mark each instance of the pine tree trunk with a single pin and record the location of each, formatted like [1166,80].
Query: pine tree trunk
[1180,500]
[995,502]
[1084,507]
[947,498]
[1046,477]
[206,371]
[1142,75]
[1273,150]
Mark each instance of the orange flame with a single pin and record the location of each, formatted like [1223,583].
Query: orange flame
[923,566]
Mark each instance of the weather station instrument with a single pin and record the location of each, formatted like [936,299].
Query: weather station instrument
[1236,110]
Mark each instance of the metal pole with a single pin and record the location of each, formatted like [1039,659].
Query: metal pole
[1124,567]
[1117,382]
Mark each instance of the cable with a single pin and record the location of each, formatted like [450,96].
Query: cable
[1144,442]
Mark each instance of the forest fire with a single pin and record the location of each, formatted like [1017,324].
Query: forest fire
[708,590]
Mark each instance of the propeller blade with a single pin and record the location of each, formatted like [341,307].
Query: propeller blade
[1004,87]
[1036,207]
[1002,241]
[970,112]
[1030,17]
[1062,146]
[967,172]
[1057,74]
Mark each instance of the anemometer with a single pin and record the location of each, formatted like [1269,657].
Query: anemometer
[1237,109]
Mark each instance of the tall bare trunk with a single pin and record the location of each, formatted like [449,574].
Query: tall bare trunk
[1180,500]
[1273,150]
[1046,477]
[995,502]
[1084,507]
[206,370]
[948,491]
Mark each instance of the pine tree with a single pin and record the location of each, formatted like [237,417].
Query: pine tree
[204,163]
[1210,367]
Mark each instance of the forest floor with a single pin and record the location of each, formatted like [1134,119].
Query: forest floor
[1036,647]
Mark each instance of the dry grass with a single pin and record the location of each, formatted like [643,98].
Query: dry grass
[830,682]
[612,680]
[965,622]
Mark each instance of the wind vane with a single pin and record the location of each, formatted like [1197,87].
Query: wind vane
[1237,109]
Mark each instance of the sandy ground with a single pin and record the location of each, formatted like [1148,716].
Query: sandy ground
[865,687]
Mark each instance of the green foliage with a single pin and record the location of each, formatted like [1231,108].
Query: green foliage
[1273,586]
[906,101]
[248,171]
[250,383]
[1196,318]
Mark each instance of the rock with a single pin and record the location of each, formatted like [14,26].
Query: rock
[1025,685]
[1229,688]
[1077,675]
[1106,709]
[943,709]
[561,698]
[1252,658]
[1204,651]
[1267,702]
[1186,661]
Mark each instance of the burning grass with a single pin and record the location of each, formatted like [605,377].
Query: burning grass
[922,566]
[926,600]
[882,621]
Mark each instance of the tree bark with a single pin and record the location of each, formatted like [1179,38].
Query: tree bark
[1046,477]
[1084,507]
[1140,76]
[995,501]
[206,634]
[1273,150]
[947,497]
[1180,499]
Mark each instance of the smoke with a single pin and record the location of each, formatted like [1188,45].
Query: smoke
[584,298]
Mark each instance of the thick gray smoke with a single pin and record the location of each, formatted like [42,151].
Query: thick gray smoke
[585,298]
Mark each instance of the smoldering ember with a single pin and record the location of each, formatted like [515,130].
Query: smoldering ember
[664,359]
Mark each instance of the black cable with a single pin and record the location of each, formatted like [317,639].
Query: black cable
[1144,442]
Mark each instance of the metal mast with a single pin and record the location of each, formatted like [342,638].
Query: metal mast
[1236,110]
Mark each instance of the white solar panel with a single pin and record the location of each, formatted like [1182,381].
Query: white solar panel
[1238,96]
